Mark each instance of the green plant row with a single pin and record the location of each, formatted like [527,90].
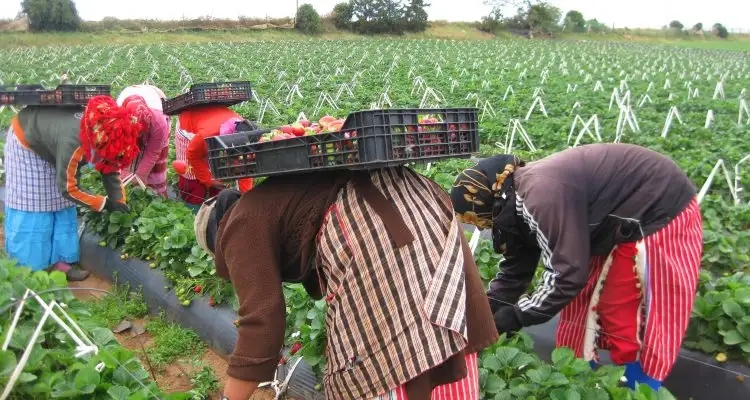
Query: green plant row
[52,370]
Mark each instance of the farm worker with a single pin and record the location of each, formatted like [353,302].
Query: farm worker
[150,166]
[618,231]
[407,313]
[45,150]
[194,126]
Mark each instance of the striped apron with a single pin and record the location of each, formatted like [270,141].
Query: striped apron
[395,310]
[181,142]
[30,182]
[638,300]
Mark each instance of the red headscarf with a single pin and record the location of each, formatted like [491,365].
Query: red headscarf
[110,133]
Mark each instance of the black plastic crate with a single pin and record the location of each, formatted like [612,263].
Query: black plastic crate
[397,134]
[63,95]
[369,139]
[219,93]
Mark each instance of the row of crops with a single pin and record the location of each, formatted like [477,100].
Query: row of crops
[535,98]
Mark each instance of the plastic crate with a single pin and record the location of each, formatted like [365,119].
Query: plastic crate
[219,93]
[368,140]
[63,95]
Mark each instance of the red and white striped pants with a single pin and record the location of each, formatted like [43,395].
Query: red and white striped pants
[465,389]
[673,256]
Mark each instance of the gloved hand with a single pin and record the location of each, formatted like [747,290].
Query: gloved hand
[112,206]
[506,320]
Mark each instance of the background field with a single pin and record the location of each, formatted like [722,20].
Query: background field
[626,85]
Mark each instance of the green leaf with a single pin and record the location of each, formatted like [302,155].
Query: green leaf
[565,394]
[491,362]
[102,337]
[58,279]
[119,392]
[733,337]
[195,271]
[494,384]
[733,309]
[26,377]
[7,362]
[504,395]
[505,355]
[562,356]
[87,379]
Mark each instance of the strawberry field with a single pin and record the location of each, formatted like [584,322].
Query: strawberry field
[534,98]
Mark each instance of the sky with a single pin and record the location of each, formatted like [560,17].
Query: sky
[622,13]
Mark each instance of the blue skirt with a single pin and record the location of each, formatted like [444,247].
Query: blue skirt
[38,239]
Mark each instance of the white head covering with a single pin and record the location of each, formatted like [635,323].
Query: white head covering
[151,94]
[201,223]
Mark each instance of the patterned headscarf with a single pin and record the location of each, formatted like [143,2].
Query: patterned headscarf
[477,189]
[109,134]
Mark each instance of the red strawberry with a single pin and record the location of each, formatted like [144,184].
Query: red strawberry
[211,302]
[282,361]
[295,348]
[197,289]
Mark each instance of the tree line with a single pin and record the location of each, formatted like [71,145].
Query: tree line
[541,17]
[371,17]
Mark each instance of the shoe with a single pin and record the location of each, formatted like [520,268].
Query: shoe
[77,275]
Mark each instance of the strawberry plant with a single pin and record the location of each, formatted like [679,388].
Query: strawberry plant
[721,317]
[52,370]
[510,370]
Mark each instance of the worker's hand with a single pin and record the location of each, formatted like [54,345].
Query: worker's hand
[506,320]
[112,206]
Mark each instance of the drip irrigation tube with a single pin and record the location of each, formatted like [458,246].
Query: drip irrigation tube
[695,376]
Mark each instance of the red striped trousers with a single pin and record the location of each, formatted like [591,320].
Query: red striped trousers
[642,325]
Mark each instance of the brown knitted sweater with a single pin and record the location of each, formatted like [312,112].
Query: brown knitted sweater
[268,237]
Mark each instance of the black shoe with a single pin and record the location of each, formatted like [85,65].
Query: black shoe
[77,275]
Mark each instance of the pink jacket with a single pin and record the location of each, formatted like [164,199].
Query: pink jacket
[151,164]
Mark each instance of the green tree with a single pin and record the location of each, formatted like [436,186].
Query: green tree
[720,31]
[378,16]
[676,25]
[698,27]
[574,21]
[51,15]
[415,16]
[342,15]
[308,20]
[543,17]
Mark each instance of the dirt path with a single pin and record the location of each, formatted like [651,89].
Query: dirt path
[175,377]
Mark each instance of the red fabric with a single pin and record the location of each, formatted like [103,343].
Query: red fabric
[673,256]
[245,184]
[193,192]
[109,134]
[619,303]
[465,389]
[205,120]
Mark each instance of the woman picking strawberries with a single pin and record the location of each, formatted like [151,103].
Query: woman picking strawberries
[45,151]
[195,124]
[150,166]
[618,231]
[407,313]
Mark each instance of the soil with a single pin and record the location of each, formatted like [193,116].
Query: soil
[174,377]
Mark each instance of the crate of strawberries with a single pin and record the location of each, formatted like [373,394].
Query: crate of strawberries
[218,93]
[63,95]
[365,139]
